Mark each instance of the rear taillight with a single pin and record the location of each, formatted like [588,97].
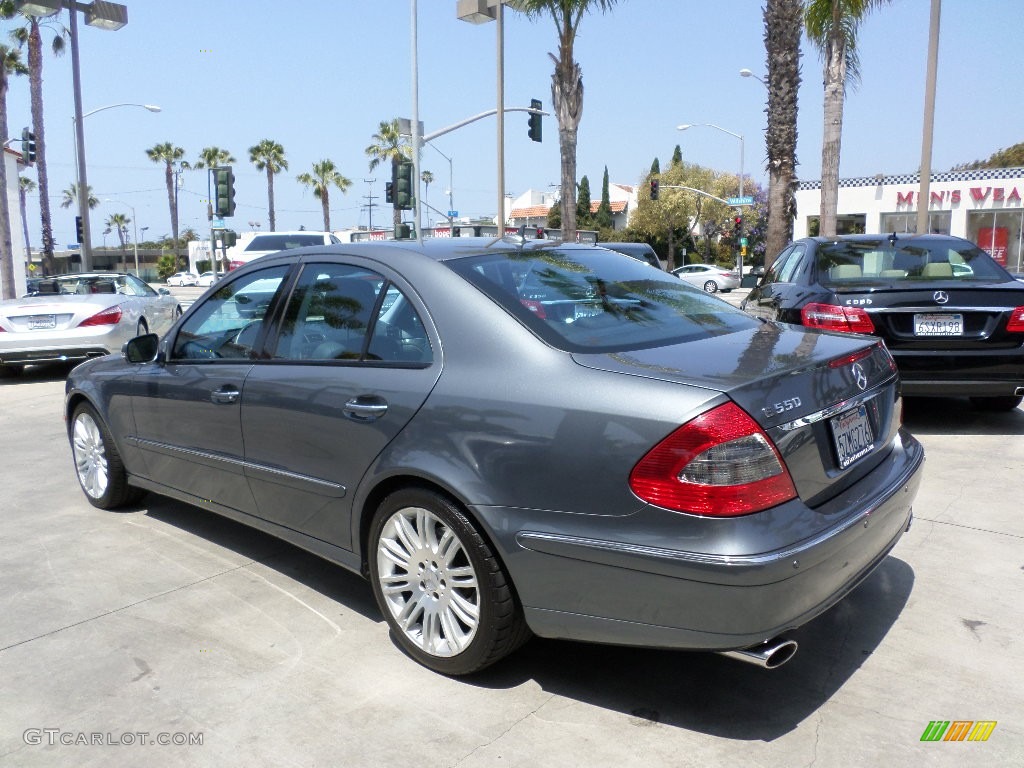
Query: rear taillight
[1016,322]
[233,265]
[721,464]
[831,317]
[109,316]
[534,306]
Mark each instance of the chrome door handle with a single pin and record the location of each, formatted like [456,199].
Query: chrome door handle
[225,396]
[365,408]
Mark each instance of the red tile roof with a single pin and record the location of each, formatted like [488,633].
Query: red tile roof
[537,211]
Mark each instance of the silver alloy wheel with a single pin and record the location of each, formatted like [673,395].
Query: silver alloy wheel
[428,582]
[90,456]
[710,286]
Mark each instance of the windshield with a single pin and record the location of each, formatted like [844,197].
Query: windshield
[593,300]
[281,242]
[886,261]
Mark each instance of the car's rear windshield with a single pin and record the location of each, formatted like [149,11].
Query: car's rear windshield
[283,242]
[593,300]
[887,261]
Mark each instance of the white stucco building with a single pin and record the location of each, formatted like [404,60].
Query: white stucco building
[12,162]
[531,208]
[983,206]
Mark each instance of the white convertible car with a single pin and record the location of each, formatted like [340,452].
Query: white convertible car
[75,317]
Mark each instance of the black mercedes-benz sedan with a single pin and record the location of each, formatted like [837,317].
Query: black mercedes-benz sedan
[951,316]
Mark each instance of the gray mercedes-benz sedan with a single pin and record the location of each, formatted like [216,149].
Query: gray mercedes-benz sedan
[510,438]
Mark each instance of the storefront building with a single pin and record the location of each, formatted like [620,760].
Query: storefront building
[983,206]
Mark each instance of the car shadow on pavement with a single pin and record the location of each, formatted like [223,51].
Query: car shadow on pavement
[37,373]
[701,692]
[956,416]
[712,694]
[330,580]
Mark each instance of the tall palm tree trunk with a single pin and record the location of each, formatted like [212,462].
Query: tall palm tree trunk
[169,180]
[832,137]
[325,203]
[396,214]
[567,97]
[7,285]
[270,198]
[35,70]
[783,23]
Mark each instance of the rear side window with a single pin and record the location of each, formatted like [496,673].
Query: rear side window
[590,300]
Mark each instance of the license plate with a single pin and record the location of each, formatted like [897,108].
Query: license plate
[851,432]
[42,322]
[939,325]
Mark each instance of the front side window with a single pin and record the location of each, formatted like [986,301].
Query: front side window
[590,300]
[228,323]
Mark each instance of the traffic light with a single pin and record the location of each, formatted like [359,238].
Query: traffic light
[536,127]
[403,232]
[540,233]
[389,192]
[456,231]
[78,230]
[737,225]
[229,237]
[28,145]
[654,189]
[403,189]
[223,191]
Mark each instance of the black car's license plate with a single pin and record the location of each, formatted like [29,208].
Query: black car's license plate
[939,325]
[851,431]
[42,322]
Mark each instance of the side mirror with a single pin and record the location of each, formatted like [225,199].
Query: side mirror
[163,291]
[141,349]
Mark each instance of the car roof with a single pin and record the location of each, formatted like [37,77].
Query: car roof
[899,237]
[436,248]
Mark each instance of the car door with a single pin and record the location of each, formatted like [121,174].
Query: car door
[350,365]
[187,408]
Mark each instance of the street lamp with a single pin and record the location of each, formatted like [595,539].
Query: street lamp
[481,12]
[135,226]
[747,73]
[104,15]
[739,136]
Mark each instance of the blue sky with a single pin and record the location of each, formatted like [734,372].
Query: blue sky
[319,78]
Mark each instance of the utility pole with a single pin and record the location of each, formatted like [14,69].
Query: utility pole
[370,197]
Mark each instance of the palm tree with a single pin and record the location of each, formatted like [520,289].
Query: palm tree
[10,64]
[30,35]
[783,20]
[213,157]
[428,178]
[268,155]
[69,196]
[324,175]
[119,222]
[832,26]
[566,90]
[389,146]
[170,156]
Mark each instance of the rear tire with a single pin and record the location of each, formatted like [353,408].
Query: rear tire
[710,286]
[998,404]
[98,464]
[445,596]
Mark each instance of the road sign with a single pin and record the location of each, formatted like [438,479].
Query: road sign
[32,267]
[217,224]
[452,214]
[745,200]
[743,242]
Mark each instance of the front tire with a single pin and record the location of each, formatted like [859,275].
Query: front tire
[98,464]
[440,586]
[998,403]
[710,286]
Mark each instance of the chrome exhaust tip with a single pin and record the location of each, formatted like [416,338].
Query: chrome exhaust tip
[771,654]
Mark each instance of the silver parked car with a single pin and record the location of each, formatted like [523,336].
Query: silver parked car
[514,438]
[708,277]
[74,317]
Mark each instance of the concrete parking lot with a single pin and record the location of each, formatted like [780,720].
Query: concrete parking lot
[163,635]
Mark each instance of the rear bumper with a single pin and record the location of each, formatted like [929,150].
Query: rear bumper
[51,355]
[973,374]
[631,593]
